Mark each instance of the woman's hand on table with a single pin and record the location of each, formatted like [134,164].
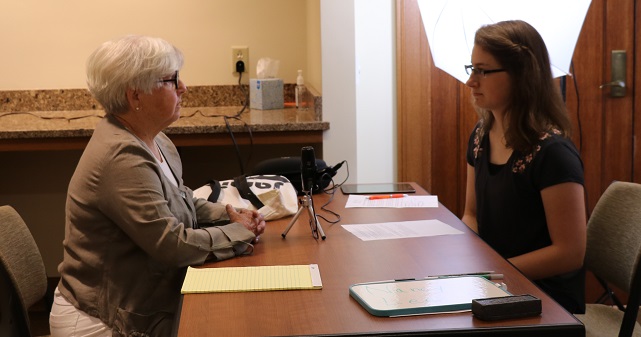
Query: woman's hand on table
[252,220]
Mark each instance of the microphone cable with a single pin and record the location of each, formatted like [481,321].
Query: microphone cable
[578,120]
[578,104]
[237,117]
[332,191]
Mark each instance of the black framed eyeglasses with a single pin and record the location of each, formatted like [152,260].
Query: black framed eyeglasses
[469,69]
[173,80]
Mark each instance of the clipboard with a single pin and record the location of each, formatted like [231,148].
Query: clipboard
[423,296]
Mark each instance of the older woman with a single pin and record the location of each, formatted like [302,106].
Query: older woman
[132,227]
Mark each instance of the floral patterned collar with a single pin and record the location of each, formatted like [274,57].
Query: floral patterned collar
[523,161]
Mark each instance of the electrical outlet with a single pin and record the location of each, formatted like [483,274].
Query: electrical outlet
[240,53]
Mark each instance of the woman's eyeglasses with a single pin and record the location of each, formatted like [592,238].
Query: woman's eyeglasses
[173,80]
[471,70]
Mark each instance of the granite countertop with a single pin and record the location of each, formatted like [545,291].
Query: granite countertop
[193,120]
[37,116]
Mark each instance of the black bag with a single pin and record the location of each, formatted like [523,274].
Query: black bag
[289,167]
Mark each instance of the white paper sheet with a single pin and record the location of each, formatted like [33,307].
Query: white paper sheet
[418,201]
[401,229]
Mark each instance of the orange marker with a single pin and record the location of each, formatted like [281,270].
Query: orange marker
[386,196]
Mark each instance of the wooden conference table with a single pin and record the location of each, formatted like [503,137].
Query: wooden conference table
[343,260]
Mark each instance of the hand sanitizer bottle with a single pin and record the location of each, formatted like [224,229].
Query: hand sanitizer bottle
[300,92]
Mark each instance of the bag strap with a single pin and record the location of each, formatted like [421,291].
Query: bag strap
[246,192]
[215,191]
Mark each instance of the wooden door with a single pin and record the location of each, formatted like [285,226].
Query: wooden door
[435,116]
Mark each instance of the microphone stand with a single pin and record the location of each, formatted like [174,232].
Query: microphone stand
[306,202]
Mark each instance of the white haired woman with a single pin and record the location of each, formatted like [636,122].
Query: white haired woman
[132,227]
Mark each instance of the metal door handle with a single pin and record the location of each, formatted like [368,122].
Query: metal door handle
[619,84]
[617,73]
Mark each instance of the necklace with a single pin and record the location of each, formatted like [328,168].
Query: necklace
[155,149]
[125,123]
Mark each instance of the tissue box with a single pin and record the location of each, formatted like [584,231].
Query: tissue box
[266,94]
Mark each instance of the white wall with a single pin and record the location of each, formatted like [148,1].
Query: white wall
[339,85]
[358,48]
[376,90]
[45,43]
[313,73]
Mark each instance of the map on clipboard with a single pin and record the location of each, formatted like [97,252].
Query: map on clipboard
[423,296]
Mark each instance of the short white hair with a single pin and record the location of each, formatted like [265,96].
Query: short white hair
[132,62]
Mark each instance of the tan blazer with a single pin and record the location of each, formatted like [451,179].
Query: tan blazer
[130,233]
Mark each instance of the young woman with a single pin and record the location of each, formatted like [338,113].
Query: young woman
[525,193]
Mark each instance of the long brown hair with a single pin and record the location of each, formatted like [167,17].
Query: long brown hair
[535,104]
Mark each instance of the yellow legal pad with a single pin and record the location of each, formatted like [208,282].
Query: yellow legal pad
[262,278]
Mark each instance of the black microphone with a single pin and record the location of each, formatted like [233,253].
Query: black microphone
[308,168]
[329,171]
